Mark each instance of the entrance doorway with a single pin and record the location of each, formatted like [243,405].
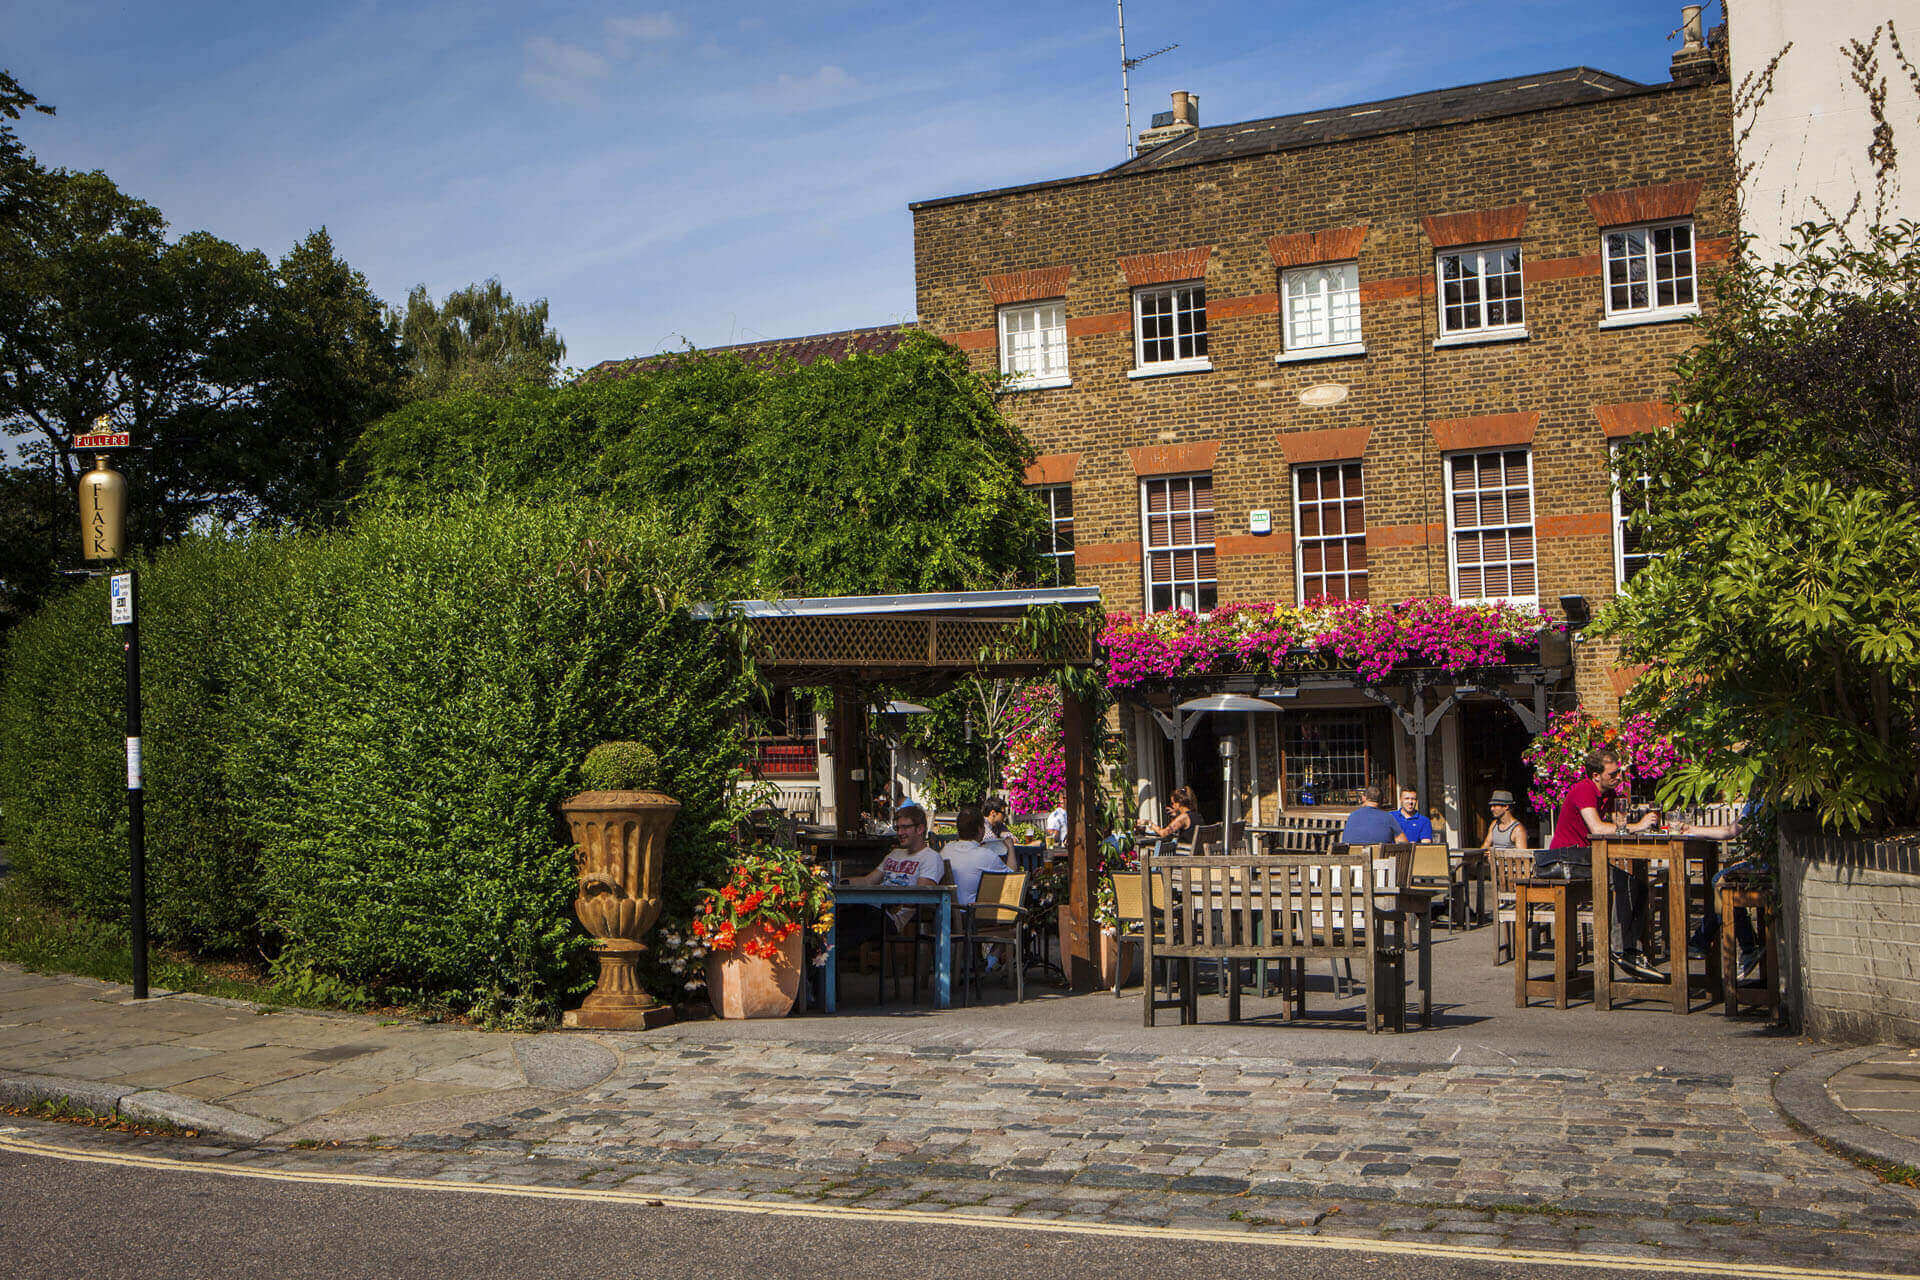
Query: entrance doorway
[1491,741]
[1202,749]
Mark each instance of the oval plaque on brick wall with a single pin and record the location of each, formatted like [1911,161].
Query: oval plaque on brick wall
[1324,395]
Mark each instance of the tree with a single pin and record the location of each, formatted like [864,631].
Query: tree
[20,173]
[885,472]
[245,383]
[479,339]
[1780,616]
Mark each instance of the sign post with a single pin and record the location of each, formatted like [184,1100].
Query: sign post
[103,535]
[125,613]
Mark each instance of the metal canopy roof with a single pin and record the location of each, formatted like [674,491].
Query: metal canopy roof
[1005,603]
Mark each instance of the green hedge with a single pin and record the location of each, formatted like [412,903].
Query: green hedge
[356,741]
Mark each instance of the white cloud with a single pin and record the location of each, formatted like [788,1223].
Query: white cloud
[562,71]
[806,91]
[645,26]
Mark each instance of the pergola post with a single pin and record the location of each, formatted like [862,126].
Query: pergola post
[1079,931]
[846,734]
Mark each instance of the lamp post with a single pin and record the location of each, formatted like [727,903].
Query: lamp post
[1229,804]
[103,538]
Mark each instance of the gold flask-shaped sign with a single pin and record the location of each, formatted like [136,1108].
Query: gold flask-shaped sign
[103,511]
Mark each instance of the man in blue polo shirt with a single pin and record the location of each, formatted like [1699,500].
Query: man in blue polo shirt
[1371,824]
[1413,824]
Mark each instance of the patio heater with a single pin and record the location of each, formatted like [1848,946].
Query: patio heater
[893,722]
[1231,702]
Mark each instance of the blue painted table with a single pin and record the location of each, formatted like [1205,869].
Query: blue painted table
[939,897]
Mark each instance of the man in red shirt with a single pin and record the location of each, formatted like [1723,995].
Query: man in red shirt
[1571,854]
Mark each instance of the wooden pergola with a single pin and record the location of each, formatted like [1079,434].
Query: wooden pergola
[926,644]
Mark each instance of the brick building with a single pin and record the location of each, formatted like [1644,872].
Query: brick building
[1374,351]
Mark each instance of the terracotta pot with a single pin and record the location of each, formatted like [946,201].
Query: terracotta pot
[620,842]
[744,986]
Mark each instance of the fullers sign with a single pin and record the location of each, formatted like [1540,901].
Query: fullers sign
[103,440]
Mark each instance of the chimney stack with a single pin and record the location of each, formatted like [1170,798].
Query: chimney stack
[1694,62]
[1177,123]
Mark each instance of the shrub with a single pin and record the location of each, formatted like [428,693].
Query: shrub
[356,742]
[621,766]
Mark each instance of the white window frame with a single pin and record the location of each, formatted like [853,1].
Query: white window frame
[1198,337]
[1049,495]
[1301,538]
[1484,332]
[1653,312]
[1349,345]
[1620,514]
[1454,530]
[1148,550]
[1052,352]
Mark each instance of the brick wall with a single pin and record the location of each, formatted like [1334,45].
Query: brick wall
[1565,168]
[1851,913]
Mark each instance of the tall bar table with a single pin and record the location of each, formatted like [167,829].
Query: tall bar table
[1635,852]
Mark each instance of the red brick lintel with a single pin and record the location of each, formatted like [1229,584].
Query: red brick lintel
[1335,444]
[1053,468]
[1029,286]
[1480,226]
[1090,553]
[1173,459]
[1634,416]
[1493,431]
[1309,248]
[1142,269]
[1645,204]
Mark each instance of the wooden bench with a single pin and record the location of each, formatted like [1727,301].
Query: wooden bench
[1291,908]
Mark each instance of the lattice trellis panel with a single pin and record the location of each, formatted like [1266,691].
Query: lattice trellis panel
[894,642]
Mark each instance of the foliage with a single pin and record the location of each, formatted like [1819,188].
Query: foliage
[357,740]
[19,172]
[767,887]
[247,379]
[1558,755]
[620,766]
[889,472]
[1371,639]
[1779,614]
[479,339]
[956,753]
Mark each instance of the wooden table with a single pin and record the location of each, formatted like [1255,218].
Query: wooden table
[1634,852]
[937,896]
[832,851]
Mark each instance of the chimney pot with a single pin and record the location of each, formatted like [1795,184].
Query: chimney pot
[1691,40]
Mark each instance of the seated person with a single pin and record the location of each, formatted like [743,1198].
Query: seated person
[1186,816]
[1505,831]
[1370,823]
[1706,935]
[1571,855]
[1057,826]
[1413,824]
[969,856]
[993,811]
[912,862]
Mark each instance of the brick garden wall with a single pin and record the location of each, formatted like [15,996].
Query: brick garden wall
[1851,915]
[1086,241]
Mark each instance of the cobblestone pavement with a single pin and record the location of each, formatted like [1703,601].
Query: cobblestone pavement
[1654,1164]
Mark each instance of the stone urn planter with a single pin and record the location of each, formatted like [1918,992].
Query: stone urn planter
[620,844]
[740,985]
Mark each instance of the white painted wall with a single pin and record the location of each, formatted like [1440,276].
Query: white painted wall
[1804,146]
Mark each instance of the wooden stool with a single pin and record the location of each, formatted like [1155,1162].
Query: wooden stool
[1562,896]
[1738,893]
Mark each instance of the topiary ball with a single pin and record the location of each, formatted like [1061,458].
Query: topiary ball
[621,766]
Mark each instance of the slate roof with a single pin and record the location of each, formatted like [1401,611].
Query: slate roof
[773,351]
[1486,100]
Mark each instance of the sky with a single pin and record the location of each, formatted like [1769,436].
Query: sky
[673,174]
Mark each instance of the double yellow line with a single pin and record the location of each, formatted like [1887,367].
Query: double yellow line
[1665,1266]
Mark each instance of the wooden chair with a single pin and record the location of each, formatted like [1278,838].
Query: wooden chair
[1207,839]
[1510,867]
[999,915]
[1432,868]
[1129,908]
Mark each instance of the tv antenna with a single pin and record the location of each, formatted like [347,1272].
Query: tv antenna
[1128,64]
